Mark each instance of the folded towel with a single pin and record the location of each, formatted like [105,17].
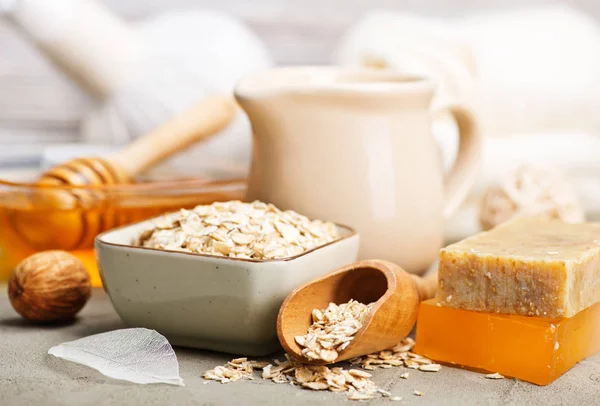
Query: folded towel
[524,70]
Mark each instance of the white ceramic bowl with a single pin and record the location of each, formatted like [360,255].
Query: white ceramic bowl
[204,301]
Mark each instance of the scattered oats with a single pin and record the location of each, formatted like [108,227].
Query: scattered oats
[258,364]
[359,373]
[420,360]
[397,356]
[449,298]
[360,396]
[369,367]
[356,383]
[232,371]
[556,346]
[430,367]
[266,373]
[332,330]
[411,364]
[316,385]
[239,230]
[494,376]
[304,375]
[385,393]
[417,393]
[387,354]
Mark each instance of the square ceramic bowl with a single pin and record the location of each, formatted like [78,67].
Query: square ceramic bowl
[204,301]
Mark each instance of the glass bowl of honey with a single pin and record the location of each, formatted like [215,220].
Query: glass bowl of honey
[36,218]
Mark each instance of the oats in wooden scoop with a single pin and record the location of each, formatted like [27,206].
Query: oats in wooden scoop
[332,330]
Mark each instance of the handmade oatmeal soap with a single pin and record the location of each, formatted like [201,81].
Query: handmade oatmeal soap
[533,349]
[527,266]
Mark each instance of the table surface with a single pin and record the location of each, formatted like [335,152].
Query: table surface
[29,376]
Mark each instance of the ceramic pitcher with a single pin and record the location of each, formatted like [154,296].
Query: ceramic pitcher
[356,147]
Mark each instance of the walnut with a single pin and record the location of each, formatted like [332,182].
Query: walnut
[529,191]
[49,286]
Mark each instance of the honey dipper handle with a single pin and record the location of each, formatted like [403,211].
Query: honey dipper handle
[198,123]
[427,286]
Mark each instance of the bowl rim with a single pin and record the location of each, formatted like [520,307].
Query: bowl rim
[153,186]
[99,240]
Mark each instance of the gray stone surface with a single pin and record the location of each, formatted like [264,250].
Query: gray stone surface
[28,376]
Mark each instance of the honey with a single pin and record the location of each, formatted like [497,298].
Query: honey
[26,228]
[532,349]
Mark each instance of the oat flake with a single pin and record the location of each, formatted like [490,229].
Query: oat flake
[495,375]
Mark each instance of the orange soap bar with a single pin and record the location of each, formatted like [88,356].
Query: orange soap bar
[532,349]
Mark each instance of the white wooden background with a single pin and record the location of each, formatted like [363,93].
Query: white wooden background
[36,99]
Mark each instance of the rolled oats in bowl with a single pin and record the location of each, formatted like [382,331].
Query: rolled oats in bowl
[236,229]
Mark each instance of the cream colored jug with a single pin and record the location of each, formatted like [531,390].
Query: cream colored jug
[356,147]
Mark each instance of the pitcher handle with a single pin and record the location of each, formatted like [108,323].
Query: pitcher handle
[461,176]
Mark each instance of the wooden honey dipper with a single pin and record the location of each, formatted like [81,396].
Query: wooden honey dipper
[62,198]
[396,294]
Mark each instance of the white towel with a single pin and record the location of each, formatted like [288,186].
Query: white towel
[524,70]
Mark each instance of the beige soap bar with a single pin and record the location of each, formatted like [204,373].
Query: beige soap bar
[530,267]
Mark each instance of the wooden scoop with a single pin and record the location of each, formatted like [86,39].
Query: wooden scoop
[70,218]
[396,294]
